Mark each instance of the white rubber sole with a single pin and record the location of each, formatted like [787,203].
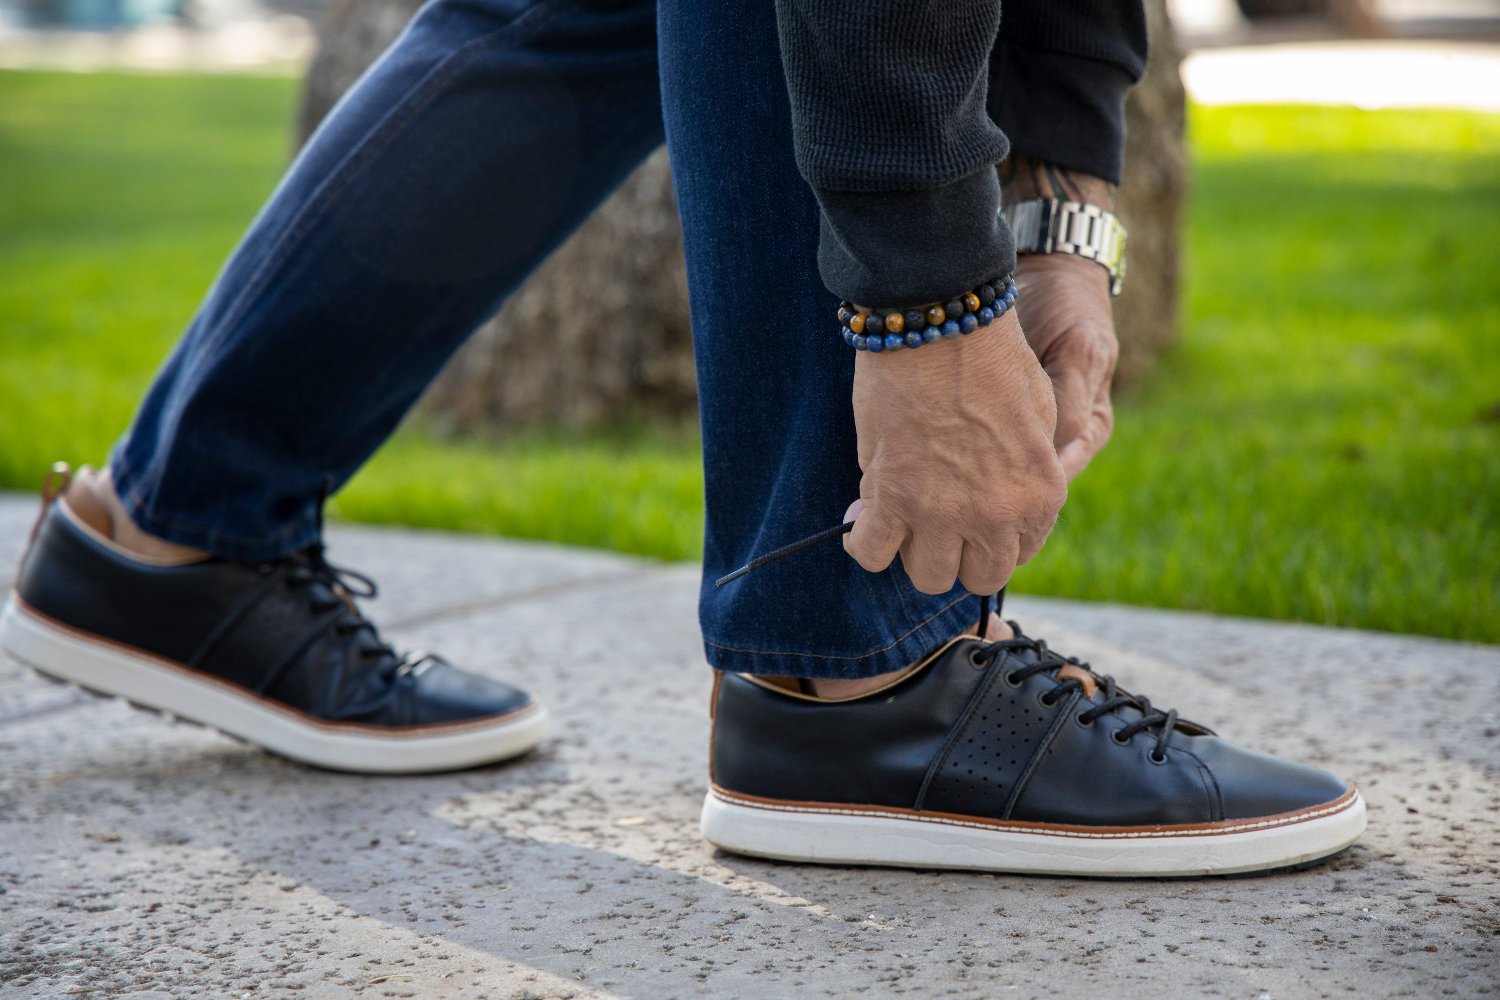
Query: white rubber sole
[155,683]
[833,834]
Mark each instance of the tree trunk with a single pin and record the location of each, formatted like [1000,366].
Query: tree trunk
[630,256]
[1150,203]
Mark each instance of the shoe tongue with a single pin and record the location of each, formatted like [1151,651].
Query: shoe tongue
[1073,672]
[1068,671]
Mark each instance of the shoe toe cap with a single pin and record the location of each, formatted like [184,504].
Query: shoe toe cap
[445,693]
[1251,783]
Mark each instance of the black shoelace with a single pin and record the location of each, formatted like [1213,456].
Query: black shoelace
[327,586]
[1152,720]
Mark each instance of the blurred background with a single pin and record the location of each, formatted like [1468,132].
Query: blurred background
[1309,395]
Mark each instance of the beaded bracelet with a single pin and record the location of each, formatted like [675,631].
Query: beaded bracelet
[892,329]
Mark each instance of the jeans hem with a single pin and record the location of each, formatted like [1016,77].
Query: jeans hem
[294,536]
[916,642]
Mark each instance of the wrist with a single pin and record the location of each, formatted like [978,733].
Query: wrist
[1023,177]
[894,329]
[1080,273]
[950,364]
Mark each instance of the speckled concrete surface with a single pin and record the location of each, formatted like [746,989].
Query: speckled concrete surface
[143,858]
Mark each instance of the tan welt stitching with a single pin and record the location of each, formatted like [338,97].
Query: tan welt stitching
[1336,807]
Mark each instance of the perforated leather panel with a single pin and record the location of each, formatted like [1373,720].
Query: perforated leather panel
[1007,727]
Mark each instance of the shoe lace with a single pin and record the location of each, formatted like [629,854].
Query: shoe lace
[330,587]
[1153,720]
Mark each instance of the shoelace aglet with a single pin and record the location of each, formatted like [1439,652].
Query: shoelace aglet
[784,551]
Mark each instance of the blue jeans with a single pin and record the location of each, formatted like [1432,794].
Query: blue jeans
[468,153]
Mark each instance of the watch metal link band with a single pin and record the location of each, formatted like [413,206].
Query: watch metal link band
[1051,225]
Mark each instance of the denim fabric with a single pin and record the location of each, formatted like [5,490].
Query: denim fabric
[474,147]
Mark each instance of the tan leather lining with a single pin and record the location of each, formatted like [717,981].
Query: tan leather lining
[1072,671]
[69,507]
[780,684]
[896,812]
[99,514]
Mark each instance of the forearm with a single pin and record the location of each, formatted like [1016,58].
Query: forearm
[887,101]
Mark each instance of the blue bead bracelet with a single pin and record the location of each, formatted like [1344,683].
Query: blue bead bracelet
[896,329]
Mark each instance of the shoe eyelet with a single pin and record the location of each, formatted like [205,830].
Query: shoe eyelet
[1151,755]
[1010,679]
[1116,737]
[976,658]
[1046,700]
[1081,723]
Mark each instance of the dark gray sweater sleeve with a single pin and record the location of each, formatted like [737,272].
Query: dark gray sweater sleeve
[895,105]
[892,133]
[1059,76]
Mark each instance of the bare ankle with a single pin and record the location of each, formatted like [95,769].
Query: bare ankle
[92,498]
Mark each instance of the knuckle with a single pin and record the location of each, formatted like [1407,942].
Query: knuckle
[997,518]
[870,557]
[1101,350]
[942,515]
[932,585]
[873,564]
[985,584]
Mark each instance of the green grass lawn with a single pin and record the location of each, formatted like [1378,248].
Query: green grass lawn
[1324,444]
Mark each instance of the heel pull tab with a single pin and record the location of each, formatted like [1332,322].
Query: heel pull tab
[54,484]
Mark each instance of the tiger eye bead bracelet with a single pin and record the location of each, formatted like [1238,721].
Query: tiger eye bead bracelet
[894,329]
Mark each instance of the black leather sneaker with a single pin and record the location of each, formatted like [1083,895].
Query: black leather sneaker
[275,653]
[1006,757]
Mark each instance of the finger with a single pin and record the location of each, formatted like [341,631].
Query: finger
[1074,390]
[875,539]
[931,561]
[984,569]
[1031,544]
[1076,454]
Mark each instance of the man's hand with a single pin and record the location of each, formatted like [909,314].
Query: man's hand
[1064,305]
[960,472]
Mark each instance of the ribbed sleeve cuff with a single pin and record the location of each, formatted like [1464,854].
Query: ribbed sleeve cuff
[1060,109]
[909,247]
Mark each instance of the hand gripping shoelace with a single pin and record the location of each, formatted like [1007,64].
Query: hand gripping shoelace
[1115,698]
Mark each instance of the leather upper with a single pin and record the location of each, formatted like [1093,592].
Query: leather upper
[876,750]
[964,736]
[281,629]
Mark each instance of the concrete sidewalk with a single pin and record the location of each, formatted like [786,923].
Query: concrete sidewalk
[143,858]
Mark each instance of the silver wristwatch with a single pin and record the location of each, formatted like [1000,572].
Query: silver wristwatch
[1050,225]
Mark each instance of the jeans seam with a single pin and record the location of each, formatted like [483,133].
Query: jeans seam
[831,656]
[323,201]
